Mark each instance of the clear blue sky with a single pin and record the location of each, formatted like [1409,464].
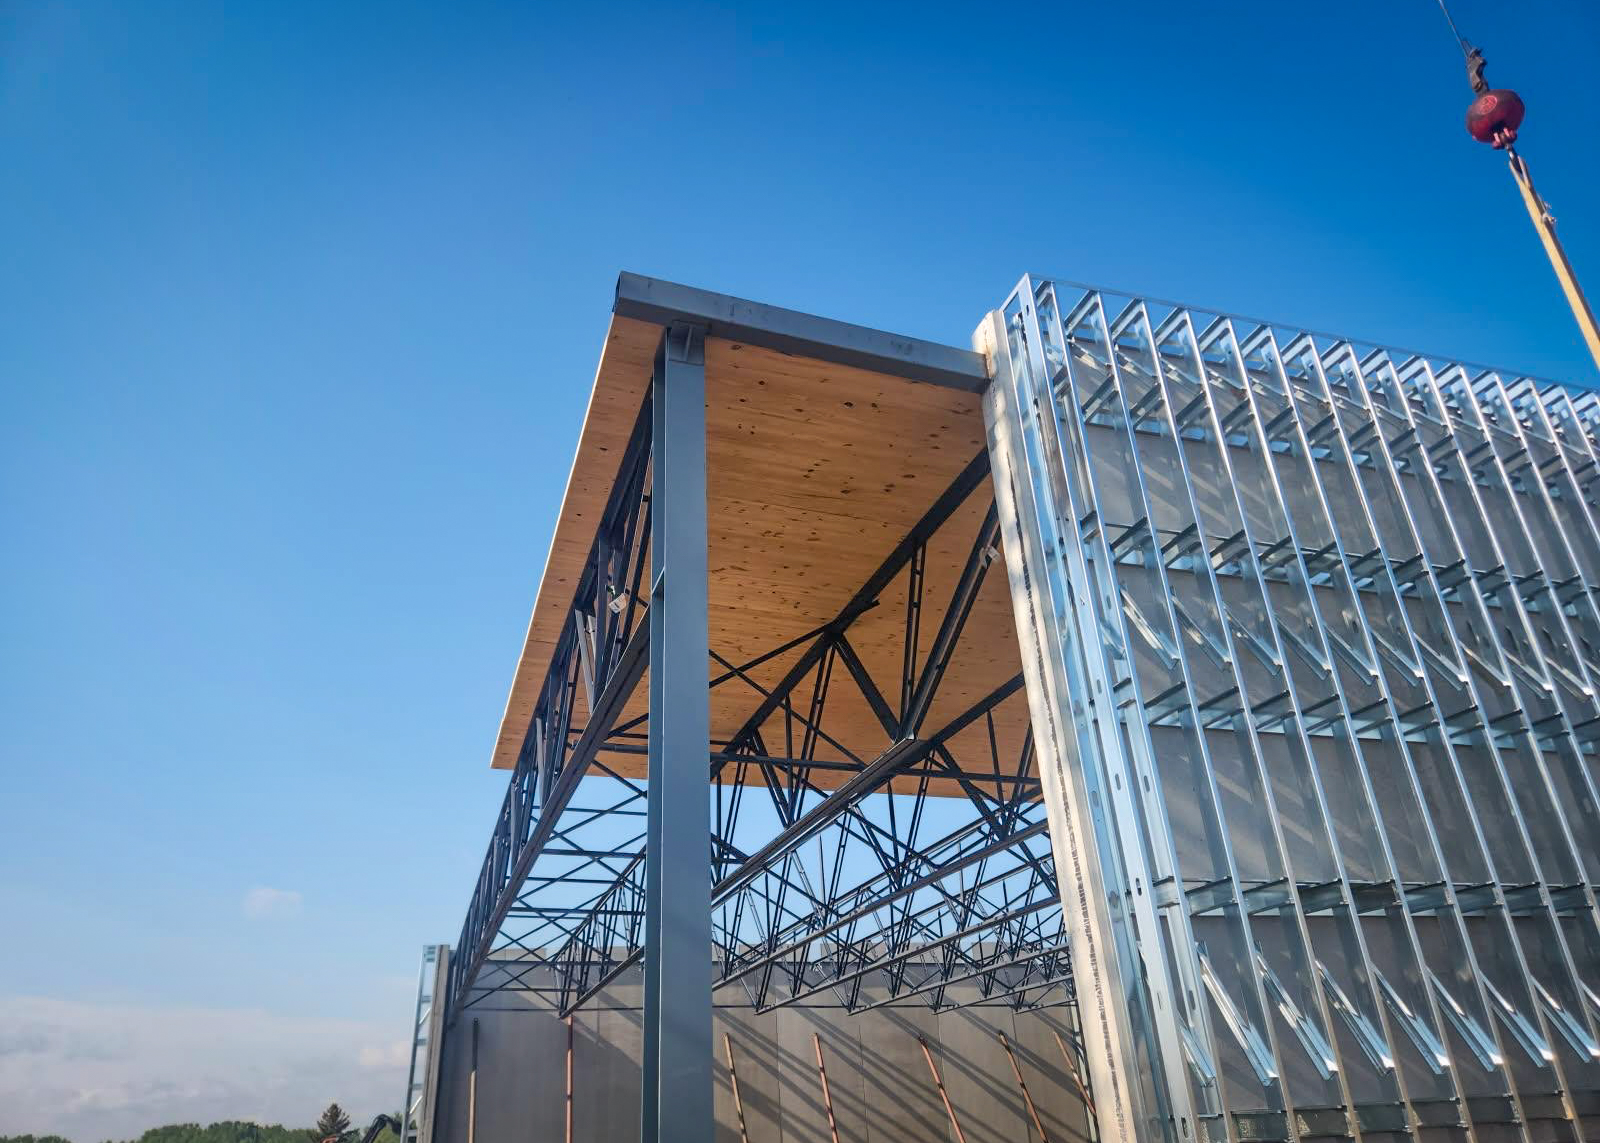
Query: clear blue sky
[299,306]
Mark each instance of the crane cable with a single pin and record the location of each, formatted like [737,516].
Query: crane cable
[1472,54]
[1494,118]
[1466,48]
[1475,66]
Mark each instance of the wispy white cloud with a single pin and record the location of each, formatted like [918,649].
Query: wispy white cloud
[264,902]
[395,1054]
[99,1071]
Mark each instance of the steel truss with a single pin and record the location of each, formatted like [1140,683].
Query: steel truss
[1331,670]
[876,878]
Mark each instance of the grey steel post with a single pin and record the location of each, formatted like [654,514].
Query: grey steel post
[472,1088]
[677,1092]
[427,1046]
[438,1002]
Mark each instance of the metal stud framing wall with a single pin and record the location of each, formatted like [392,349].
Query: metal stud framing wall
[1311,637]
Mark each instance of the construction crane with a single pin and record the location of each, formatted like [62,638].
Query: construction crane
[1494,118]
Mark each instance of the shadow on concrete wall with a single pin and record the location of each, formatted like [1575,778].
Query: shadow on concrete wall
[879,1081]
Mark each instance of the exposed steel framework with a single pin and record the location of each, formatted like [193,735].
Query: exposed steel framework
[1315,647]
[1305,823]
[812,888]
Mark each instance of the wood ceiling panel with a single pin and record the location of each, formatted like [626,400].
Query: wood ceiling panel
[815,472]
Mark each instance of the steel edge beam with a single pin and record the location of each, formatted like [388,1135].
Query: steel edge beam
[799,334]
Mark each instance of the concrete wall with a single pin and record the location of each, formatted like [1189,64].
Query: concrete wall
[881,1088]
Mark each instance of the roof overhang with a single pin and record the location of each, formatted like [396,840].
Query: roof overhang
[825,441]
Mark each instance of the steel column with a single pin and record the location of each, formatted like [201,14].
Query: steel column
[677,1091]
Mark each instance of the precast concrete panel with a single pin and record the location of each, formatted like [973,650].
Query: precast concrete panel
[977,1074]
[450,1101]
[878,1079]
[509,1106]
[805,1113]
[894,1070]
[1051,1082]
[760,1066]
[606,1089]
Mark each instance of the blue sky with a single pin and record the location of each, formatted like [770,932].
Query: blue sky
[301,303]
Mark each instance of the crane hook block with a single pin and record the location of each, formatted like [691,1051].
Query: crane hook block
[1495,116]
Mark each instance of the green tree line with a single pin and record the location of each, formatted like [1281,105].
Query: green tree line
[226,1132]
